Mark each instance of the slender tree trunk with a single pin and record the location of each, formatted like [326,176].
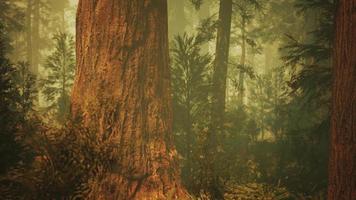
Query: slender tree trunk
[63,23]
[29,33]
[342,164]
[219,92]
[268,52]
[122,88]
[221,63]
[262,111]
[204,13]
[36,37]
[178,20]
[190,141]
[242,64]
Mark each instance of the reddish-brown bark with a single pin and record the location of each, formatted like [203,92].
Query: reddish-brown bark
[122,88]
[342,166]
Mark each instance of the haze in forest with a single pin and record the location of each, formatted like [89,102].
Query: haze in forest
[177,99]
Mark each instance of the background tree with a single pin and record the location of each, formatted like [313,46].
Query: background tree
[246,12]
[220,63]
[60,67]
[43,18]
[25,82]
[308,60]
[9,116]
[219,91]
[191,89]
[276,147]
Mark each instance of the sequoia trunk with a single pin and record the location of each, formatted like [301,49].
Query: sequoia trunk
[342,164]
[122,88]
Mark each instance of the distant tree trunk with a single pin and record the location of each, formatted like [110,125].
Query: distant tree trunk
[64,25]
[122,88]
[29,32]
[221,63]
[204,13]
[63,19]
[269,57]
[36,36]
[219,91]
[178,20]
[342,164]
[190,141]
[241,93]
[204,10]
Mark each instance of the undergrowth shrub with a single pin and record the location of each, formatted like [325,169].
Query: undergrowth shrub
[69,164]
[256,191]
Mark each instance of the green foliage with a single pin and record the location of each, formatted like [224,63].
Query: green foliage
[246,9]
[26,83]
[207,30]
[191,86]
[190,76]
[273,147]
[313,80]
[309,61]
[10,115]
[60,67]
[69,164]
[11,15]
[286,111]
[197,3]
[253,191]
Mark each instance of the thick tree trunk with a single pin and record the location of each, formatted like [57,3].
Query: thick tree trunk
[122,88]
[342,164]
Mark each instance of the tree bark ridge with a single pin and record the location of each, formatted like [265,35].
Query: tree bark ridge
[122,89]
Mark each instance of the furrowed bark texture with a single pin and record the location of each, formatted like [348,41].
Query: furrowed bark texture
[342,166]
[122,88]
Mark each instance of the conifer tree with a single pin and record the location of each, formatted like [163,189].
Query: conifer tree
[60,66]
[9,115]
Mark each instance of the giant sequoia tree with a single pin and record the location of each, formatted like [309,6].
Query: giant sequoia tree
[342,171]
[122,89]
